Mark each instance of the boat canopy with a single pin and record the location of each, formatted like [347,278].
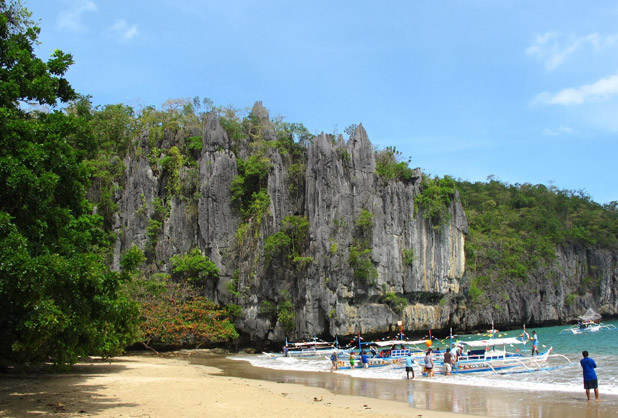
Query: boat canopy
[313,344]
[491,342]
[398,342]
[590,315]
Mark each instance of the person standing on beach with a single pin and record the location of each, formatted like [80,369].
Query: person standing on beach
[409,367]
[333,360]
[364,360]
[351,361]
[429,363]
[448,362]
[590,376]
[535,343]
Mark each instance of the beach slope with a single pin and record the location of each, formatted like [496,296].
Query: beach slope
[156,386]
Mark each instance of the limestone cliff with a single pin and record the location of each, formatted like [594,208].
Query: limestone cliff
[366,246]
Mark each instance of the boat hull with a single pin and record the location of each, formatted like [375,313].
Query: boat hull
[587,329]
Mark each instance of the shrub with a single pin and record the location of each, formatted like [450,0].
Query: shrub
[178,317]
[396,302]
[408,256]
[360,261]
[286,315]
[365,220]
[194,267]
[389,167]
[435,199]
[569,300]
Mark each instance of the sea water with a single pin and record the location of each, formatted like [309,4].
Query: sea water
[565,378]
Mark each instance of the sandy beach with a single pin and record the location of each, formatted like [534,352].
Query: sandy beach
[165,386]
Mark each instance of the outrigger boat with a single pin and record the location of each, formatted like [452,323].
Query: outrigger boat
[487,355]
[387,353]
[491,355]
[588,322]
[313,348]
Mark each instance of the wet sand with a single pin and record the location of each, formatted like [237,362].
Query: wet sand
[424,394]
[192,384]
[152,386]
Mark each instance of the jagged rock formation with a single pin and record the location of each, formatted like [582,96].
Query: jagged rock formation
[338,183]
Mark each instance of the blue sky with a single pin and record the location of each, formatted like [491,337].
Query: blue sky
[525,91]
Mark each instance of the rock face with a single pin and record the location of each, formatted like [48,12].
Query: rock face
[403,254]
[579,279]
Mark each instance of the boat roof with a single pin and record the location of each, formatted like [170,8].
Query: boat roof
[398,342]
[312,344]
[590,315]
[492,342]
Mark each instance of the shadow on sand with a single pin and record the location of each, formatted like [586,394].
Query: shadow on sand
[45,393]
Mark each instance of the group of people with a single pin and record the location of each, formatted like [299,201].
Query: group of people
[364,358]
[450,359]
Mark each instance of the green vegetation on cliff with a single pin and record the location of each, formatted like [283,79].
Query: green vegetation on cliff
[61,299]
[61,181]
[515,231]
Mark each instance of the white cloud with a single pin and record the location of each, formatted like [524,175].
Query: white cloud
[561,130]
[122,28]
[71,18]
[605,88]
[553,49]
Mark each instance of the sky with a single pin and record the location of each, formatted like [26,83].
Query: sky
[519,91]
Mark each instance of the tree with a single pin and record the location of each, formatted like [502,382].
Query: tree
[194,267]
[23,76]
[60,300]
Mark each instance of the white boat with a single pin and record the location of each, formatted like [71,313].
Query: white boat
[491,355]
[589,322]
[314,348]
[388,353]
[583,327]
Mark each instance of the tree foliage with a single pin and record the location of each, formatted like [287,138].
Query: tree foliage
[515,230]
[194,267]
[61,300]
[435,199]
[389,166]
[173,314]
[397,302]
[247,185]
[360,261]
[290,241]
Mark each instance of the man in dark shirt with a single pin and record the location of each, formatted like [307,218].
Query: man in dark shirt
[448,362]
[590,376]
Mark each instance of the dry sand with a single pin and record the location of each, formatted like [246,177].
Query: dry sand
[152,386]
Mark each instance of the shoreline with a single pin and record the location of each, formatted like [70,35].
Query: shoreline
[191,384]
[147,385]
[434,395]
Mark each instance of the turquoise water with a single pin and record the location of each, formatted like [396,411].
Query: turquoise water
[602,347]
[566,378]
[551,393]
